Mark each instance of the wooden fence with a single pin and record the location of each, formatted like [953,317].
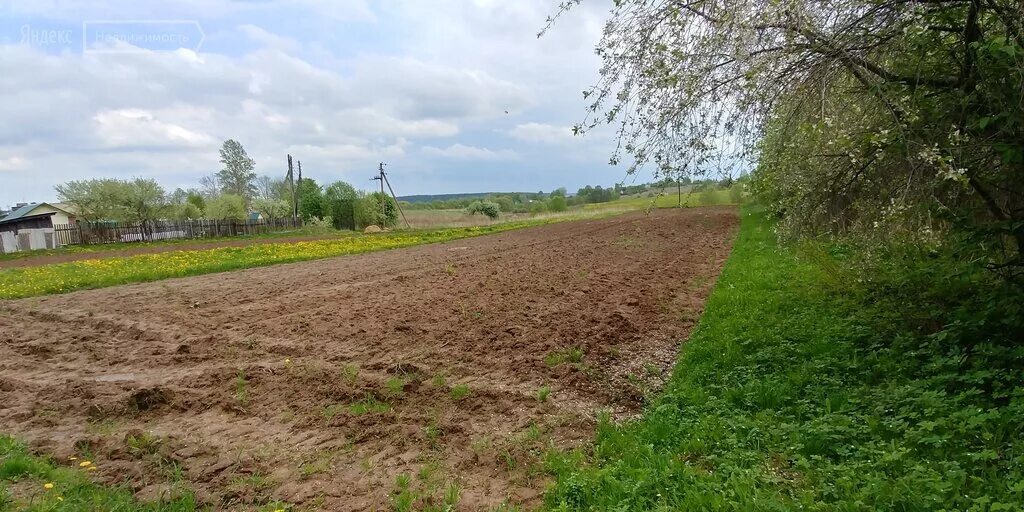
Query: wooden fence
[112,232]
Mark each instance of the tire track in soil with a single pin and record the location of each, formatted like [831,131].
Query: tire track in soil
[90,368]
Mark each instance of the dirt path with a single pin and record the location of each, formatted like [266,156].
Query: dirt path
[322,383]
[144,248]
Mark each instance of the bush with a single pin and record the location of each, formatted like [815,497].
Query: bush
[558,204]
[369,211]
[487,208]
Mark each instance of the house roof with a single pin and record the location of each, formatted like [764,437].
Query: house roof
[22,211]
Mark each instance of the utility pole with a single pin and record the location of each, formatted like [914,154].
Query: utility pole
[298,197]
[291,185]
[383,178]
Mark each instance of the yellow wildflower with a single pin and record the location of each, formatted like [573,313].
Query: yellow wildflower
[48,485]
[91,468]
[85,463]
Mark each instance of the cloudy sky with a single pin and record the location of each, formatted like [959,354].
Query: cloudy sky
[455,95]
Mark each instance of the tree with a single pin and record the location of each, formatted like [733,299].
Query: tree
[369,210]
[339,201]
[491,210]
[272,209]
[505,203]
[142,200]
[94,200]
[238,175]
[311,200]
[136,200]
[196,199]
[227,207]
[185,211]
[209,186]
[861,113]
[557,204]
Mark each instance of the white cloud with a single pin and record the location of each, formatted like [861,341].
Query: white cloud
[340,85]
[132,128]
[464,152]
[12,163]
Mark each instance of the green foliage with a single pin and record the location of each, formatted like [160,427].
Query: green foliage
[598,194]
[272,208]
[63,277]
[491,210]
[238,176]
[340,200]
[558,204]
[805,388]
[311,200]
[569,355]
[185,211]
[227,207]
[543,394]
[136,200]
[369,210]
[72,489]
[459,391]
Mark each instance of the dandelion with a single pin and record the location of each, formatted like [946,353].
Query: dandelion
[91,468]
[48,485]
[85,463]
[72,458]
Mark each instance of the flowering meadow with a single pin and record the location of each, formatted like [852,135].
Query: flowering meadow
[98,273]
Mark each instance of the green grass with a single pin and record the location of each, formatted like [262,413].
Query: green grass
[799,391]
[569,355]
[98,273]
[459,391]
[23,477]
[310,231]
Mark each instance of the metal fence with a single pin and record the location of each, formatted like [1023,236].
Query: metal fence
[112,232]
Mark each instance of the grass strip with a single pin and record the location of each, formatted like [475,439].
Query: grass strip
[37,484]
[792,394]
[102,272]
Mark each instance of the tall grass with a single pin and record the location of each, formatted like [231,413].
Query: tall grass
[799,391]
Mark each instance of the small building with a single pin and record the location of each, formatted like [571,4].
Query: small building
[38,215]
[31,226]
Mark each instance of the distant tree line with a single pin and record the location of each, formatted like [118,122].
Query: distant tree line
[235,192]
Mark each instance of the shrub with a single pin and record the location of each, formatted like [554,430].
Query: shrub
[491,210]
[558,204]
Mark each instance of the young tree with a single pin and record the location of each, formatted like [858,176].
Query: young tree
[311,200]
[238,175]
[339,202]
[94,200]
[557,204]
[272,209]
[209,186]
[227,207]
[378,209]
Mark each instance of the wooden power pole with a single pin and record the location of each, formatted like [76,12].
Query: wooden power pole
[291,185]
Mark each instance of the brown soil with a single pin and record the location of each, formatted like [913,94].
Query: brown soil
[247,380]
[149,248]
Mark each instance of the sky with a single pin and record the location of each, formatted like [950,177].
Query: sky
[454,95]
